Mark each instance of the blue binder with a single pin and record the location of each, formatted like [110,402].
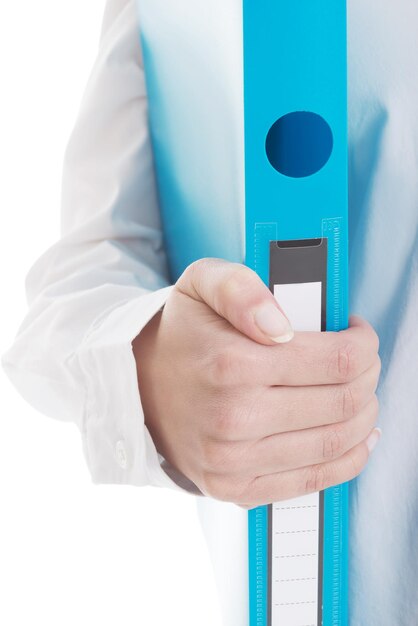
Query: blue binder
[289,201]
[295,95]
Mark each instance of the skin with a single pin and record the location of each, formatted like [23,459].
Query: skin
[249,420]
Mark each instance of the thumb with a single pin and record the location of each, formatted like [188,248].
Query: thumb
[236,293]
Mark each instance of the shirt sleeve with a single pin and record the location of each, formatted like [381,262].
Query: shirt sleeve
[91,293]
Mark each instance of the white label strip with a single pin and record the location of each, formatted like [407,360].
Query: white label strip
[295,523]
[302,304]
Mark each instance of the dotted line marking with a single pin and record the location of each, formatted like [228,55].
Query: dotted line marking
[287,508]
[293,580]
[291,556]
[294,532]
[295,603]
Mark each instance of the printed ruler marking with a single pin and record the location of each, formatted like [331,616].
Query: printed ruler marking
[264,232]
[336,497]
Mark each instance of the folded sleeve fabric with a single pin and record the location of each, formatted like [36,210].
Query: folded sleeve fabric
[92,292]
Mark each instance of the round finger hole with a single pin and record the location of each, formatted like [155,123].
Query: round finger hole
[299,144]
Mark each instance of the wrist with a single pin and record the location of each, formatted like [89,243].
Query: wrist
[144,350]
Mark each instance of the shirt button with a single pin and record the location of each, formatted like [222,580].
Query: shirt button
[121,456]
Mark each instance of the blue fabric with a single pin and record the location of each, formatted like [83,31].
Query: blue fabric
[193,51]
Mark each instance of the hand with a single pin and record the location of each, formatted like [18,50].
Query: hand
[251,419]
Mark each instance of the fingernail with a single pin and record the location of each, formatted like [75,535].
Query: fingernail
[271,321]
[373,438]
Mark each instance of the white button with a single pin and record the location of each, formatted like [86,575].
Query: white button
[121,456]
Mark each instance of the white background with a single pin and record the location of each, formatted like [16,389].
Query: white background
[70,553]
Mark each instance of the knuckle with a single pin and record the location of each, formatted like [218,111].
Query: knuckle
[226,422]
[347,361]
[195,266]
[334,442]
[192,272]
[238,280]
[348,403]
[223,368]
[201,266]
[195,274]
[316,478]
[344,362]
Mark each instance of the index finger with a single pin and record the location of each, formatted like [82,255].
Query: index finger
[315,358]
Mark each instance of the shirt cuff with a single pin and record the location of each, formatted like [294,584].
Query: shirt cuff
[117,444]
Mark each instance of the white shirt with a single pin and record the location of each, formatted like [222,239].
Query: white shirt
[92,292]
